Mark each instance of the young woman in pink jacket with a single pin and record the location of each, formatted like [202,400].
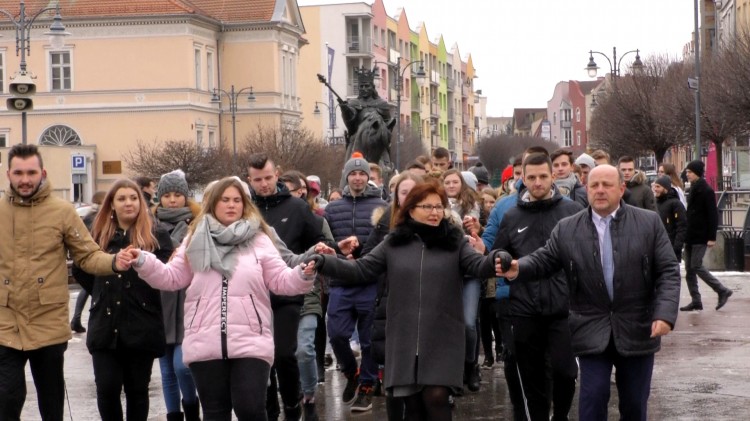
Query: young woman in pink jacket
[228,264]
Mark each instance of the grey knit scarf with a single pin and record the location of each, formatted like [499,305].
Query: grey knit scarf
[176,220]
[215,246]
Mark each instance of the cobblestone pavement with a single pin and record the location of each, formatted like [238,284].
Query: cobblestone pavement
[702,373]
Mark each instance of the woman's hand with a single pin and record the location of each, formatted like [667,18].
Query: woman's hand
[476,242]
[471,224]
[123,259]
[308,269]
[348,245]
[322,248]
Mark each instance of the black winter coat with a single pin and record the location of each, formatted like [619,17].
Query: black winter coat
[646,280]
[295,224]
[673,216]
[702,214]
[125,311]
[425,313]
[525,228]
[639,192]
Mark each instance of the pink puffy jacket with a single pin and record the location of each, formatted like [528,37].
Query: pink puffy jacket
[249,331]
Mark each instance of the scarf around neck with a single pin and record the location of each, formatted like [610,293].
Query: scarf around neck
[176,220]
[215,246]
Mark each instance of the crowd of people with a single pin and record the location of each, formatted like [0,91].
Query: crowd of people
[567,269]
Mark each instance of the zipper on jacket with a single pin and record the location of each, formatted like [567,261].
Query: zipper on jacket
[224,296]
[194,313]
[260,322]
[419,307]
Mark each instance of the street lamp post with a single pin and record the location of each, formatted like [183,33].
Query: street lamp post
[23,85]
[233,98]
[331,117]
[399,71]
[614,64]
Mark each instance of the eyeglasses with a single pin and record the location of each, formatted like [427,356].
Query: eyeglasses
[430,208]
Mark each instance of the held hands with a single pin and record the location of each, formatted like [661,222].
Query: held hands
[123,259]
[322,248]
[310,268]
[505,265]
[348,245]
[126,258]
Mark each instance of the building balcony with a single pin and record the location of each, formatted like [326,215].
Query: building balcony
[434,110]
[465,117]
[450,83]
[564,124]
[359,45]
[416,106]
[452,144]
[434,78]
[464,91]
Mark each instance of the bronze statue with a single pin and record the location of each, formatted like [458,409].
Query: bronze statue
[368,121]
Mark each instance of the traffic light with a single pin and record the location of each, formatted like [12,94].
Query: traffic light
[21,89]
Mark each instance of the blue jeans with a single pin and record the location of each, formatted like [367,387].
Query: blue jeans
[176,378]
[308,368]
[349,307]
[471,293]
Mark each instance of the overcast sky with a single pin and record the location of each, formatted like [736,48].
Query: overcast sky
[522,48]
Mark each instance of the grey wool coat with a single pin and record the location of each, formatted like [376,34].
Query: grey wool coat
[425,269]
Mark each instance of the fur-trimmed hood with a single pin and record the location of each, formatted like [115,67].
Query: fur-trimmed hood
[638,178]
[445,236]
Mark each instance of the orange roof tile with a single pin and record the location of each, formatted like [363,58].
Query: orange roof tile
[221,10]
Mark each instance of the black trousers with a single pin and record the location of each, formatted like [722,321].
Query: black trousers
[285,368]
[117,370]
[235,383]
[321,337]
[46,369]
[489,325]
[539,340]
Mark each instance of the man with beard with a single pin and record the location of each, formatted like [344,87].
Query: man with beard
[539,308]
[350,306]
[672,212]
[297,227]
[37,230]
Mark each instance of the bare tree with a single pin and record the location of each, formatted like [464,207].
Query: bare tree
[201,165]
[293,147]
[497,151]
[410,148]
[632,118]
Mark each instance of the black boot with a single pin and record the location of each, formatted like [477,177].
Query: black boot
[293,413]
[192,410]
[472,376]
[174,416]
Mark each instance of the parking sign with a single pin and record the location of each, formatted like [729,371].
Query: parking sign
[78,164]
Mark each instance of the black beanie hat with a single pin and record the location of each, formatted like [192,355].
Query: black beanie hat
[664,181]
[697,167]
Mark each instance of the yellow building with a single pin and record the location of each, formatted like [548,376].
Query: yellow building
[147,70]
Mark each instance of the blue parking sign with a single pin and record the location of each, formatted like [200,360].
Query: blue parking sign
[78,164]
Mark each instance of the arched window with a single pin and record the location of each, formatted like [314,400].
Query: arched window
[60,136]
